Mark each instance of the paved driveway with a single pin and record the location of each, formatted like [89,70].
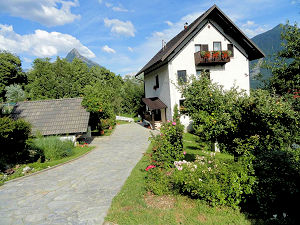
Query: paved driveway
[79,192]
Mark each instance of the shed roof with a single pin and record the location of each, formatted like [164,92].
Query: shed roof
[217,15]
[154,103]
[53,117]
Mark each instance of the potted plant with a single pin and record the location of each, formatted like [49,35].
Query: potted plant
[215,54]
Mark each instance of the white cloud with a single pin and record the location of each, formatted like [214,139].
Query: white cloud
[108,5]
[119,9]
[100,1]
[252,29]
[120,27]
[46,12]
[294,2]
[249,23]
[130,49]
[108,49]
[41,43]
[169,23]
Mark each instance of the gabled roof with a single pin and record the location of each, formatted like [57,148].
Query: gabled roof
[217,15]
[52,117]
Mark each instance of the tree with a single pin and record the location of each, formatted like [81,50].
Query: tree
[98,100]
[10,71]
[285,79]
[14,93]
[132,93]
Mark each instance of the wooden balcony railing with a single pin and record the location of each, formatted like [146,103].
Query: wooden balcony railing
[212,57]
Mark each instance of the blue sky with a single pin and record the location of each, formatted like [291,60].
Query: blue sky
[120,35]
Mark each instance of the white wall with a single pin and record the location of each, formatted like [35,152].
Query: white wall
[163,92]
[235,72]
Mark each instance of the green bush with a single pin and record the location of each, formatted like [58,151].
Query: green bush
[218,183]
[261,127]
[168,146]
[13,136]
[52,147]
[278,188]
[158,181]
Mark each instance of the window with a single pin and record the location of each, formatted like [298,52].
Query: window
[181,76]
[217,46]
[230,48]
[201,47]
[181,104]
[203,72]
[156,83]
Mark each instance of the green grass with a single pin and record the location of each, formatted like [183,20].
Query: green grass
[120,122]
[37,166]
[133,205]
[193,147]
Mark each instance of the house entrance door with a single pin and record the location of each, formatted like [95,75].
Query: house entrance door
[157,115]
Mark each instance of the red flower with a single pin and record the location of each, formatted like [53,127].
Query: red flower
[150,167]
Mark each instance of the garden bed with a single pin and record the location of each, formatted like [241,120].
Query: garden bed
[38,166]
[135,205]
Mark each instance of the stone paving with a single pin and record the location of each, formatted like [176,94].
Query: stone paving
[79,192]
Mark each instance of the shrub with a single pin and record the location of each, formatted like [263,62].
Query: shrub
[158,181]
[13,136]
[168,146]
[52,147]
[14,93]
[216,182]
[261,127]
[277,190]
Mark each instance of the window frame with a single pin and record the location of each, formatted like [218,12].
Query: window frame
[156,86]
[196,45]
[232,51]
[203,70]
[183,80]
[214,45]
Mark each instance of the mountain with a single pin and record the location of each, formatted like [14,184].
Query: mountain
[269,42]
[75,54]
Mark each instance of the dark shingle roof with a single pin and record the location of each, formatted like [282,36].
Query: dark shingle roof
[51,117]
[154,103]
[163,54]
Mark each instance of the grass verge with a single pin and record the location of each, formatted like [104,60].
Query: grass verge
[38,166]
[133,205]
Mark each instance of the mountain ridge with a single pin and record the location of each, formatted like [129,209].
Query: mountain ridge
[270,43]
[74,53]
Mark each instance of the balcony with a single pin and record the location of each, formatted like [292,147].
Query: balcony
[212,57]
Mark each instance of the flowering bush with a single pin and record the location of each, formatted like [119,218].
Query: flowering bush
[216,182]
[168,146]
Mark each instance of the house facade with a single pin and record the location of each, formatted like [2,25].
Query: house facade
[212,46]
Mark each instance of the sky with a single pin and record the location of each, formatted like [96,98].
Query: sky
[117,34]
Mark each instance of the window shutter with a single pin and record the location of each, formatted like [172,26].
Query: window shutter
[230,48]
[204,47]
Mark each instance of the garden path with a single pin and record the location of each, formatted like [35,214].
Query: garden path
[79,192]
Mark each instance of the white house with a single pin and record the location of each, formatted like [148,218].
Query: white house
[204,45]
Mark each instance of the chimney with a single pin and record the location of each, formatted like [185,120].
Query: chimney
[186,25]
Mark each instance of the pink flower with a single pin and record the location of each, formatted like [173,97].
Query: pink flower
[150,167]
[174,123]
[184,153]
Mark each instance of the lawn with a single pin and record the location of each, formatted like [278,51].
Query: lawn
[133,205]
[37,166]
